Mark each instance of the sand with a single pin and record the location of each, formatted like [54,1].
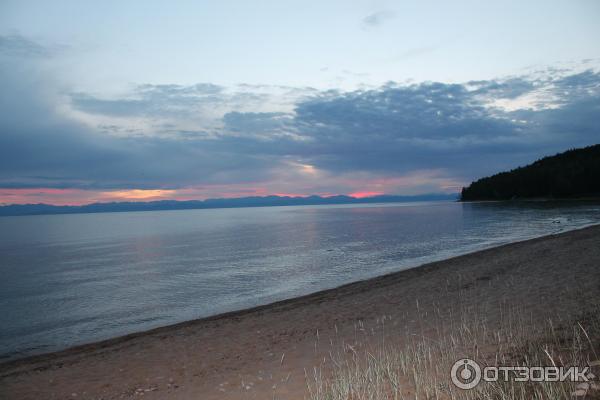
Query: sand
[262,353]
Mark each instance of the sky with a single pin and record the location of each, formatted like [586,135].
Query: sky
[148,100]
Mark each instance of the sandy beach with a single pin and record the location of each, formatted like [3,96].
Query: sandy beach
[263,353]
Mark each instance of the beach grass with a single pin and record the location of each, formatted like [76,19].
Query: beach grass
[385,363]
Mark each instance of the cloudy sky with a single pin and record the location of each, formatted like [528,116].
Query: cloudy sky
[110,101]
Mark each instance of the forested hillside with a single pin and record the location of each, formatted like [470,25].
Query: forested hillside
[574,173]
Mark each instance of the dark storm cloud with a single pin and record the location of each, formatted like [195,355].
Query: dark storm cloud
[575,121]
[259,125]
[69,155]
[396,129]
[388,131]
[40,147]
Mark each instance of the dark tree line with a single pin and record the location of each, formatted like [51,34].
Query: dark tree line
[574,173]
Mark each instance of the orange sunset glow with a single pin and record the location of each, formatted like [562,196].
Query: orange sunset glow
[355,186]
[139,194]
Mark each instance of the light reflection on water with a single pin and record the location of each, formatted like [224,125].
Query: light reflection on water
[71,279]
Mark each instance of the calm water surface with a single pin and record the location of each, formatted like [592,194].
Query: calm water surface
[72,279]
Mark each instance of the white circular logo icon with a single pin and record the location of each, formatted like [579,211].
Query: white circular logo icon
[465,373]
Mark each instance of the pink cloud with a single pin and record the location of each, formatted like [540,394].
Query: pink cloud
[361,195]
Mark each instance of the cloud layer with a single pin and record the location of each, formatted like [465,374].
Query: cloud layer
[206,140]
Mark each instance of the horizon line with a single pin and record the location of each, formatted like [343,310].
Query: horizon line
[281,196]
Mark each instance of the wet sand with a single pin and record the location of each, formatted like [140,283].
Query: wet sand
[262,353]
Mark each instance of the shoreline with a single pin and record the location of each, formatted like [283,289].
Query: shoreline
[533,200]
[289,302]
[278,337]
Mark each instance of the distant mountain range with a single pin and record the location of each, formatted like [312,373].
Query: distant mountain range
[265,201]
[574,173]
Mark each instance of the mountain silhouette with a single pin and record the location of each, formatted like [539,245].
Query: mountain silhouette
[256,201]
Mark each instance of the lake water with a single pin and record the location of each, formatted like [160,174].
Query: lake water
[73,279]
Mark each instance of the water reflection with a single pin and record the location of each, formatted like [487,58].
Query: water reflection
[69,279]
